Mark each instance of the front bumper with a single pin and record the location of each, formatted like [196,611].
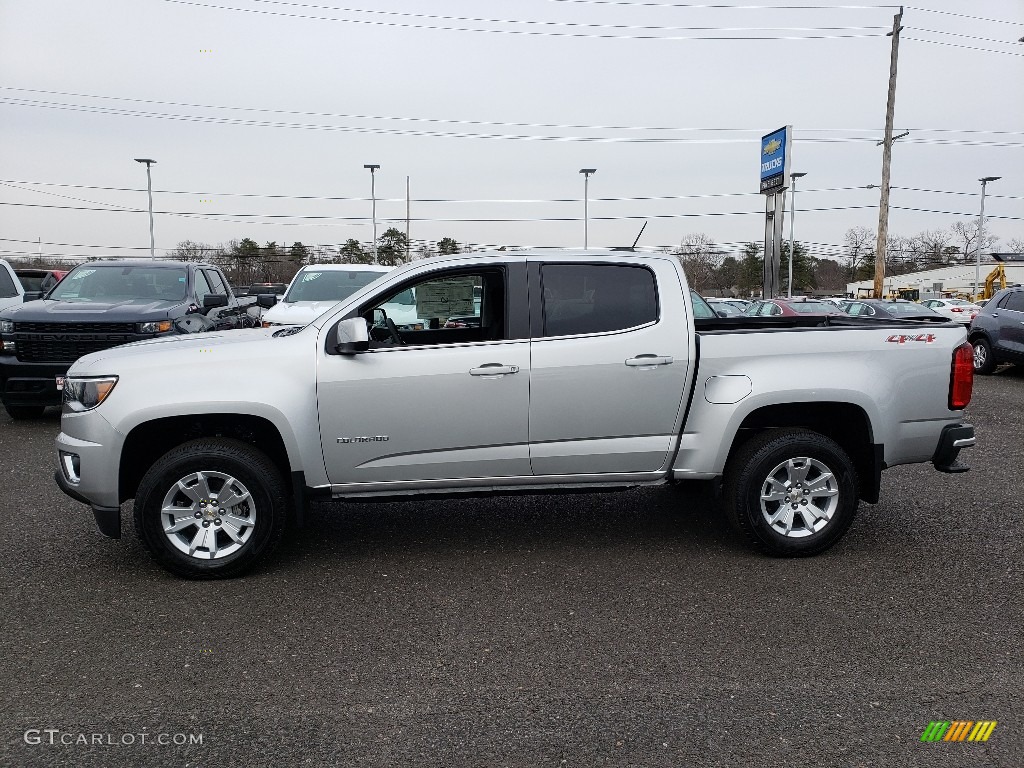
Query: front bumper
[953,438]
[108,519]
[30,383]
[88,464]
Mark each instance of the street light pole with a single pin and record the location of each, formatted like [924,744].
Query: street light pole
[373,197]
[586,203]
[792,218]
[981,234]
[149,189]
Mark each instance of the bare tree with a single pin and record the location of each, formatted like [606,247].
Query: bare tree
[700,258]
[859,243]
[189,250]
[1016,245]
[932,248]
[967,233]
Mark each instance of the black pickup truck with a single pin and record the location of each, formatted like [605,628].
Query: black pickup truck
[102,304]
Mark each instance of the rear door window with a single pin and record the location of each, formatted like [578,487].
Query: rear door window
[596,298]
[1015,302]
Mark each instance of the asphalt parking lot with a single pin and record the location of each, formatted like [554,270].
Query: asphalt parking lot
[613,629]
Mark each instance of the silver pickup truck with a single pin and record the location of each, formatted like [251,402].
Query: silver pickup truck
[523,371]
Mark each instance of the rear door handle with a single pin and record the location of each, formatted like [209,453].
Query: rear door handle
[493,369]
[649,360]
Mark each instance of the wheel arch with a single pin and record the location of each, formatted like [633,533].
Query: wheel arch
[847,424]
[150,440]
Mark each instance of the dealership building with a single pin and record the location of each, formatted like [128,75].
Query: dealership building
[958,279]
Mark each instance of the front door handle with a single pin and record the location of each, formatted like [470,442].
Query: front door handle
[493,369]
[645,361]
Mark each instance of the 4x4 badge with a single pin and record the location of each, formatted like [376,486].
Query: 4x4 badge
[927,338]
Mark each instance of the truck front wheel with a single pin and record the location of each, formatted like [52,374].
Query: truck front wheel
[791,492]
[211,508]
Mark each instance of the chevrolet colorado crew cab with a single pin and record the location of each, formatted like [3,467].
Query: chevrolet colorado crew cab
[102,304]
[579,371]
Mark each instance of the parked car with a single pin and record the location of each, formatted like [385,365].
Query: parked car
[260,289]
[724,308]
[997,331]
[318,287]
[898,308]
[103,304]
[39,280]
[959,310]
[12,293]
[790,307]
[740,304]
[795,422]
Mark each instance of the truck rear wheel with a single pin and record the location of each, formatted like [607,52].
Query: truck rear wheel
[211,508]
[791,492]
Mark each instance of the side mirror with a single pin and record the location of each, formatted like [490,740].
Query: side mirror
[350,336]
[213,300]
[32,295]
[266,300]
[722,313]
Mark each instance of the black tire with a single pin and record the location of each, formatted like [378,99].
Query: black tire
[266,503]
[984,361]
[749,471]
[23,412]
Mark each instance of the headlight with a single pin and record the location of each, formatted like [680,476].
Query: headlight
[6,326]
[82,394]
[160,326]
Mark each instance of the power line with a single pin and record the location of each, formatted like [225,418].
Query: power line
[968,37]
[560,24]
[965,47]
[757,131]
[963,15]
[218,120]
[486,220]
[528,32]
[440,200]
[728,6]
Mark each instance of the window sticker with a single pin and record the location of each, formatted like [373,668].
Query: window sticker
[444,298]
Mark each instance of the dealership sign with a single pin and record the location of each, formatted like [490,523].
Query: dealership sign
[775,152]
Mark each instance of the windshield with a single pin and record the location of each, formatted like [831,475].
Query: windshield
[909,309]
[328,284]
[811,307]
[729,309]
[101,283]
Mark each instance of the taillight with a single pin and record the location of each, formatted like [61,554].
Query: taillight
[961,377]
[955,309]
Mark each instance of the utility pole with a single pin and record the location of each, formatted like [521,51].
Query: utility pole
[883,205]
[406,219]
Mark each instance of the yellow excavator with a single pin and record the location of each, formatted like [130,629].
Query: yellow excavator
[998,275]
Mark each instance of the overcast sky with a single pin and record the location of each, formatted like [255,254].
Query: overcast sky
[492,108]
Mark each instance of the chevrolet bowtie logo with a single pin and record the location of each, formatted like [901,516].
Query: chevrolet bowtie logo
[772,147]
